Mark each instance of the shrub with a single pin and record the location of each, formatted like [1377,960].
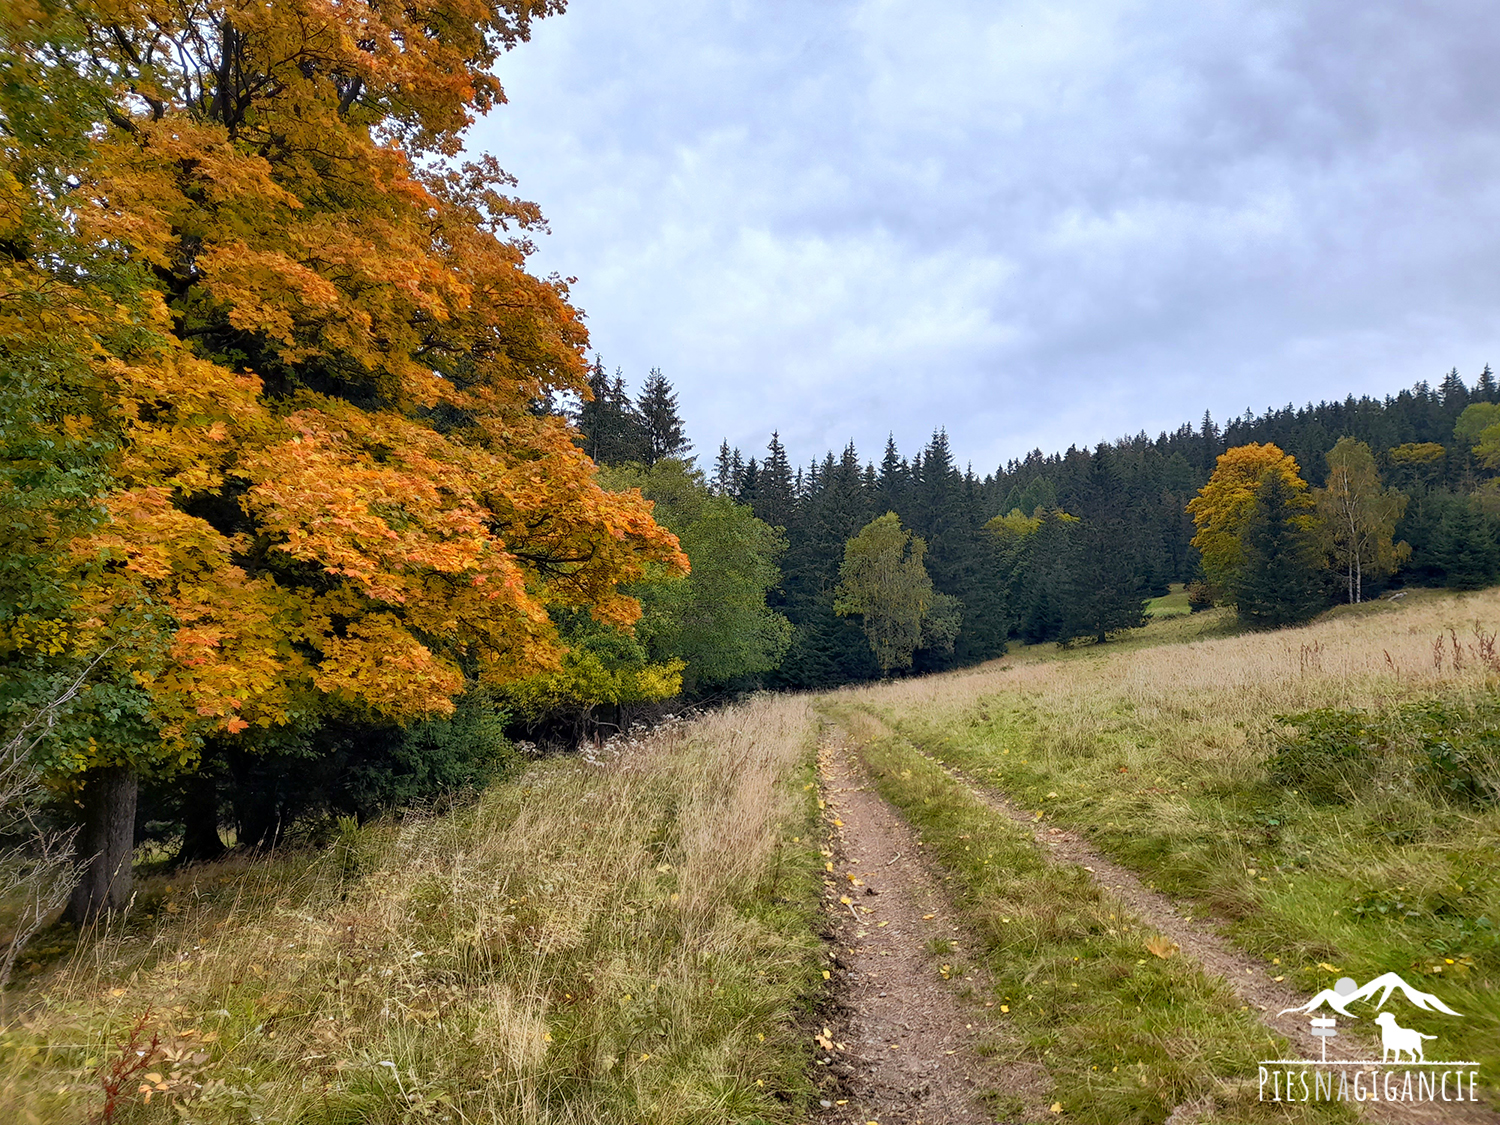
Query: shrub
[1332,755]
[1450,747]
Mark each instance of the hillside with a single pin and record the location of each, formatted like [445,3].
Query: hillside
[1086,869]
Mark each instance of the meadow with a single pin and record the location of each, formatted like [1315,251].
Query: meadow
[1327,794]
[636,933]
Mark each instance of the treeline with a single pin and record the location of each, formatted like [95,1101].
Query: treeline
[1071,545]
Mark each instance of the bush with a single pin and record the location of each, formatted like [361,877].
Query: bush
[1330,758]
[1459,749]
[1449,747]
[1200,597]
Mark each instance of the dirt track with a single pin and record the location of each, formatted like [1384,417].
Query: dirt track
[912,1047]
[906,1045]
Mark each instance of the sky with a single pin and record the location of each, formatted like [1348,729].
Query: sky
[1035,224]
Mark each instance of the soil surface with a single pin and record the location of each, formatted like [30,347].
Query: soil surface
[909,1047]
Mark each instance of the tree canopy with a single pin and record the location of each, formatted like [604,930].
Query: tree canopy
[1224,505]
[884,581]
[305,341]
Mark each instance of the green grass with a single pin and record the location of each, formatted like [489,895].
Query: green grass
[1125,1035]
[1172,604]
[1390,866]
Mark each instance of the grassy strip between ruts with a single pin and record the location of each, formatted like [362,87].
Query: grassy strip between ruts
[626,942]
[1126,1034]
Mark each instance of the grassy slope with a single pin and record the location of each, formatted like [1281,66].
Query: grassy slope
[633,942]
[1157,752]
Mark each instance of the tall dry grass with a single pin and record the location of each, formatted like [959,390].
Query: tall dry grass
[625,939]
[1226,689]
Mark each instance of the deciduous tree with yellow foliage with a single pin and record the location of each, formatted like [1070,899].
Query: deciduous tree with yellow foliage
[1224,506]
[306,346]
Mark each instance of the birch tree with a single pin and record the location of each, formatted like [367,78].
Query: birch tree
[1359,517]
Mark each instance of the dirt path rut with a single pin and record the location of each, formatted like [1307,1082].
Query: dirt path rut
[907,1047]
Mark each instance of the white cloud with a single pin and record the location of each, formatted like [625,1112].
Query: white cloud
[1034,223]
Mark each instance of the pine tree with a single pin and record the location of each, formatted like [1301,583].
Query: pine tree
[729,466]
[664,435]
[893,479]
[1454,394]
[613,430]
[1280,582]
[1466,548]
[1485,389]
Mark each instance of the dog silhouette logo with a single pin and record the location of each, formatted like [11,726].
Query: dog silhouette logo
[1403,1072]
[1398,1040]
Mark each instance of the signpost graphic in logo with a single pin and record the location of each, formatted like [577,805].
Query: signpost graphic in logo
[1418,1078]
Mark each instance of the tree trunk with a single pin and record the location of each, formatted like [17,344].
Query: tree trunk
[106,843]
[200,821]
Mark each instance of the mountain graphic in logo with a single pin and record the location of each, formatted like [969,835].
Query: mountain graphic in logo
[1346,992]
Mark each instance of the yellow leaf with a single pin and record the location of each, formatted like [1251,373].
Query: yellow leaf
[1326,967]
[1162,947]
[1057,1107]
[153,1077]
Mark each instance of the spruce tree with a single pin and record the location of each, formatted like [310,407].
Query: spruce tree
[613,431]
[1485,389]
[726,472]
[1280,582]
[663,433]
[1466,550]
[775,496]
[1103,590]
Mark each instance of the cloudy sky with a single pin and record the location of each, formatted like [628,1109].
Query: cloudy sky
[1034,223]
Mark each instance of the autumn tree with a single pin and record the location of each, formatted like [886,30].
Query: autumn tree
[1280,581]
[310,342]
[1479,427]
[1359,517]
[884,581]
[1224,505]
[1418,463]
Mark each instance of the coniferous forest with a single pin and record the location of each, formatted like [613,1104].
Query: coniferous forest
[1069,546]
